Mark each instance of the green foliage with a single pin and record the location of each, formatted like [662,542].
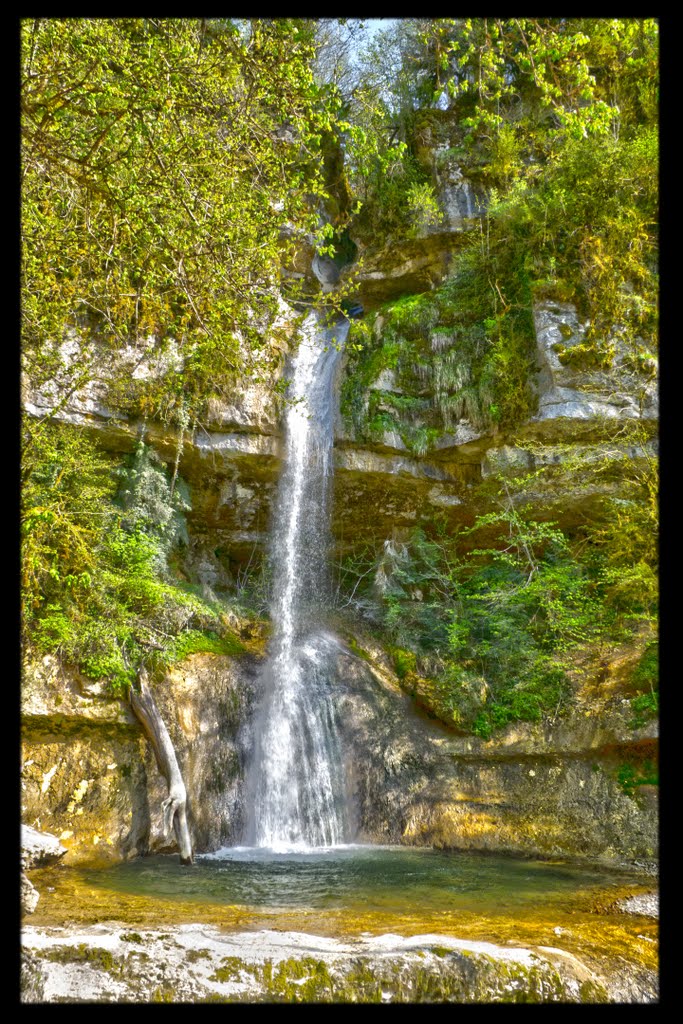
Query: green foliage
[630,776]
[619,538]
[152,505]
[645,706]
[66,506]
[159,172]
[647,671]
[544,692]
[398,199]
[628,539]
[593,213]
[404,662]
[550,121]
[159,207]
[194,641]
[465,350]
[484,625]
[555,121]
[98,590]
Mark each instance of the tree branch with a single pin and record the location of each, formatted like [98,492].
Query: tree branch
[174,807]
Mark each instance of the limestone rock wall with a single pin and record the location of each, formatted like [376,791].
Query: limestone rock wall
[546,790]
[89,777]
[82,776]
[232,460]
[569,392]
[205,701]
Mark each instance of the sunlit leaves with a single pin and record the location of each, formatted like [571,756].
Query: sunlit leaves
[96,540]
[152,150]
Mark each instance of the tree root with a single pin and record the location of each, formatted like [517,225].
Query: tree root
[174,807]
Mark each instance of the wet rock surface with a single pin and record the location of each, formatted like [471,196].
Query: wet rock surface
[197,963]
[39,848]
[205,702]
[547,790]
[645,904]
[537,789]
[90,776]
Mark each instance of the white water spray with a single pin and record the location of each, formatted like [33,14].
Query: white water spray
[295,788]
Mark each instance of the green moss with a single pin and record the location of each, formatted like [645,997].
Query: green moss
[301,981]
[630,775]
[358,650]
[379,424]
[404,662]
[540,694]
[645,708]
[131,937]
[230,969]
[646,673]
[457,352]
[196,641]
[411,311]
[361,984]
[138,956]
[163,995]
[194,955]
[224,768]
[585,356]
[102,959]
[593,992]
[229,708]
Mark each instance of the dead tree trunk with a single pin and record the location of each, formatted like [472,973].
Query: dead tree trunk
[174,808]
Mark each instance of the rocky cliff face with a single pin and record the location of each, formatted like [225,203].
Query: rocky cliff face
[232,461]
[83,775]
[89,777]
[548,790]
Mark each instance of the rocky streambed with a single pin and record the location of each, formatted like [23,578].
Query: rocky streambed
[360,924]
[202,963]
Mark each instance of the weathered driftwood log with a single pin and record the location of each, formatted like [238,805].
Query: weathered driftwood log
[174,808]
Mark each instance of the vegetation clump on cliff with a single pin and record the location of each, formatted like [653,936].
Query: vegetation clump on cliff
[485,624]
[554,124]
[98,546]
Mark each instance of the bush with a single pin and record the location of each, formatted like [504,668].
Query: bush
[95,558]
[485,638]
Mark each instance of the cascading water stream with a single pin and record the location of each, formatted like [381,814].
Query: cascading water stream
[295,786]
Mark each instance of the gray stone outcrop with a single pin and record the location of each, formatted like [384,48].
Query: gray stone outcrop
[593,395]
[39,848]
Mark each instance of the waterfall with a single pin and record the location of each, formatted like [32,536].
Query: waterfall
[295,786]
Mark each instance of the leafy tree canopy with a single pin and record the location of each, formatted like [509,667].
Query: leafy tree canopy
[169,169]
